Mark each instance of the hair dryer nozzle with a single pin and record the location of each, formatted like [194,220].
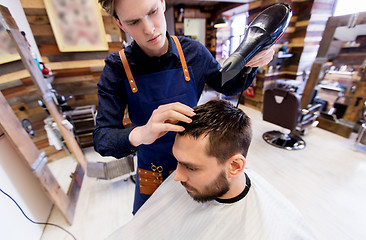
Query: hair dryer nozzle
[265,30]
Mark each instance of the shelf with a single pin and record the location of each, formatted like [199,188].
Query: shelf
[330,87]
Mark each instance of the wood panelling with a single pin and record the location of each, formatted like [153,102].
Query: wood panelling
[303,36]
[76,73]
[332,126]
[353,58]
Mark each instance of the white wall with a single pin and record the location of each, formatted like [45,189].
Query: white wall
[16,10]
[344,7]
[17,180]
[196,27]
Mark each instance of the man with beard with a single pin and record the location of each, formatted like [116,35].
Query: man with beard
[225,200]
[160,78]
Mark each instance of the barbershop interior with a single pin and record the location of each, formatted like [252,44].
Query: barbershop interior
[307,108]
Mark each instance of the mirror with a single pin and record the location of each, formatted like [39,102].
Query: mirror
[341,71]
[64,197]
[336,79]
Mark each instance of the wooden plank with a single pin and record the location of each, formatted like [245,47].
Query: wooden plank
[76,64]
[334,127]
[32,4]
[45,40]
[38,20]
[77,56]
[39,81]
[68,65]
[327,38]
[18,91]
[10,125]
[357,99]
[47,49]
[72,72]
[14,76]
[12,84]
[82,78]
[311,83]
[11,67]
[42,30]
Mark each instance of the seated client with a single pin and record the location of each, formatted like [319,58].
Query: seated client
[211,195]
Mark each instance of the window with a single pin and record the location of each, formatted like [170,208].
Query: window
[238,27]
[344,7]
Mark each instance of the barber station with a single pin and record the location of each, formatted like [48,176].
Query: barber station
[182,119]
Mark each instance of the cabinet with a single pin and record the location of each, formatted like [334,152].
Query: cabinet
[83,121]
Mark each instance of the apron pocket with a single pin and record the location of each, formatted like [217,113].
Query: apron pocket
[149,181]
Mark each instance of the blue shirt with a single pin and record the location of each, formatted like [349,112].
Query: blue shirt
[110,137]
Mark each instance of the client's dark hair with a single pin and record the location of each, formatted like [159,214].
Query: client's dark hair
[228,128]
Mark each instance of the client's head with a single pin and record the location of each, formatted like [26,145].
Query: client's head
[211,150]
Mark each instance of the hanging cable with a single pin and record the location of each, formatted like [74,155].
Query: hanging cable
[246,72]
[41,223]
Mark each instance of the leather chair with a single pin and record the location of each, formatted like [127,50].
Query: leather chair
[283,107]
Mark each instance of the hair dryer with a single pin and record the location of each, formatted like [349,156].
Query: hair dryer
[264,31]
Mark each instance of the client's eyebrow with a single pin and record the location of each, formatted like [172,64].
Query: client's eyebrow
[188,165]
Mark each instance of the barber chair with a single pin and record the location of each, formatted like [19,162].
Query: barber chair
[283,108]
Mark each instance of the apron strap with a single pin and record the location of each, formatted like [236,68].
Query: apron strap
[126,66]
[182,58]
[130,78]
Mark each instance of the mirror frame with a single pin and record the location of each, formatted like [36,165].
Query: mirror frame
[345,128]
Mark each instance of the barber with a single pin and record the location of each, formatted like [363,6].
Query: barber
[160,78]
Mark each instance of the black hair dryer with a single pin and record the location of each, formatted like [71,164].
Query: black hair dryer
[264,31]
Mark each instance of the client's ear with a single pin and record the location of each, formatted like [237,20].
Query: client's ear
[236,165]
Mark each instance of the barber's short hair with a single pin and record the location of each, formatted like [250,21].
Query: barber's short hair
[109,7]
[228,128]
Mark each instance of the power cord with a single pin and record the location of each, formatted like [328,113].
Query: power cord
[247,70]
[41,223]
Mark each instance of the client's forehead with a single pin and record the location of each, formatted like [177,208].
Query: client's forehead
[190,146]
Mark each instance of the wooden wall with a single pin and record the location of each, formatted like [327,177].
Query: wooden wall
[352,56]
[303,35]
[76,73]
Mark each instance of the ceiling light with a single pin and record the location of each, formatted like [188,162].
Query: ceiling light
[220,23]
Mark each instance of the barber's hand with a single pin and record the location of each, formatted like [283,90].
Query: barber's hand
[162,120]
[262,58]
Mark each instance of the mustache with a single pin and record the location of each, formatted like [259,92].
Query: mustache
[187,186]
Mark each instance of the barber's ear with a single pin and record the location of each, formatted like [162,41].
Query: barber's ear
[236,165]
[119,24]
[163,3]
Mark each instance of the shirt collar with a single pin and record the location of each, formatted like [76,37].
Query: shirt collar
[172,49]
[241,195]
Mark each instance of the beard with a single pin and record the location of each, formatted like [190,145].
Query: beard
[212,191]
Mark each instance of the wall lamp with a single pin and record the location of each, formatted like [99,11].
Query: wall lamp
[220,22]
